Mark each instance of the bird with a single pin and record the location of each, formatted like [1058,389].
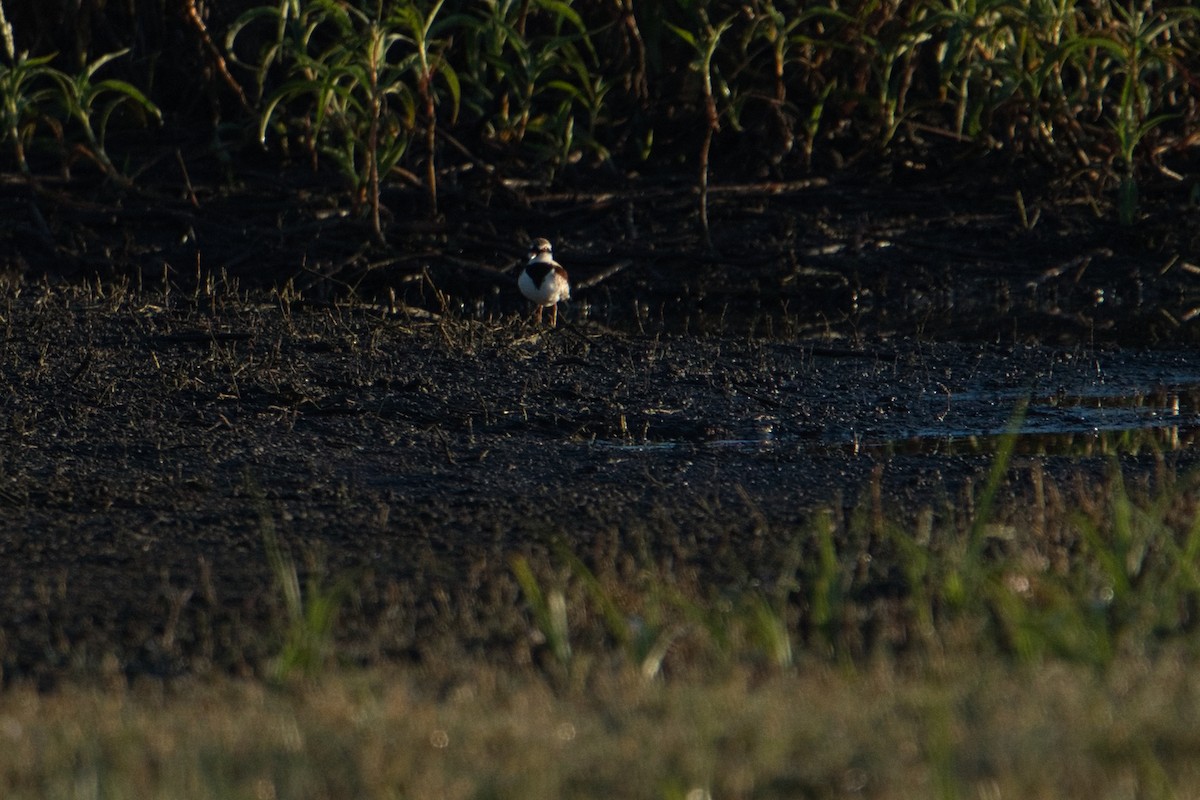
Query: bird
[544,281]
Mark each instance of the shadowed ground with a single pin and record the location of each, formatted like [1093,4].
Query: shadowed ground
[153,442]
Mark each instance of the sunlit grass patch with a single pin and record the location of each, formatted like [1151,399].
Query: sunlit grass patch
[955,727]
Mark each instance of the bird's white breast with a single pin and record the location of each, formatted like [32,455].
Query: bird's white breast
[553,289]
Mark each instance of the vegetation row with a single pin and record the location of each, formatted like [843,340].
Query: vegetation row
[1099,91]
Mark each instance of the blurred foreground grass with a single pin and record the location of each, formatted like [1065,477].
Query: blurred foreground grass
[957,724]
[1039,647]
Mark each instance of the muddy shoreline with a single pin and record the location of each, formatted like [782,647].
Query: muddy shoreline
[193,371]
[153,442]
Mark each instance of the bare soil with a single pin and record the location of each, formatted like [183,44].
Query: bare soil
[404,431]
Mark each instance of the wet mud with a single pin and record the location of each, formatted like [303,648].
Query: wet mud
[155,443]
[404,432]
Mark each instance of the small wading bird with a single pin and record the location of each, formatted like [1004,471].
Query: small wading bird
[544,281]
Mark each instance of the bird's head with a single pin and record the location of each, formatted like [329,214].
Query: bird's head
[540,249]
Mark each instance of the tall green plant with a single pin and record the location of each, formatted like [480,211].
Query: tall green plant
[704,42]
[499,66]
[32,91]
[892,57]
[795,42]
[345,83]
[290,29]
[27,87]
[91,104]
[18,91]
[528,89]
[426,64]
[1020,84]
[1138,50]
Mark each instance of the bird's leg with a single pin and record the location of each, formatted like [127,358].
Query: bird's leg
[537,315]
[554,316]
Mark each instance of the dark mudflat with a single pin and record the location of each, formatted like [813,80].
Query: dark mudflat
[405,433]
[153,444]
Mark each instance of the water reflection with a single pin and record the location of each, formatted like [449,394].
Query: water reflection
[1093,423]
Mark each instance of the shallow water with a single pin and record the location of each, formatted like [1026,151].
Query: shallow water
[1054,402]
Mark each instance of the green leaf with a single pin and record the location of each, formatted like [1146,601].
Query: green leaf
[128,90]
[93,67]
[451,77]
[563,11]
[686,35]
